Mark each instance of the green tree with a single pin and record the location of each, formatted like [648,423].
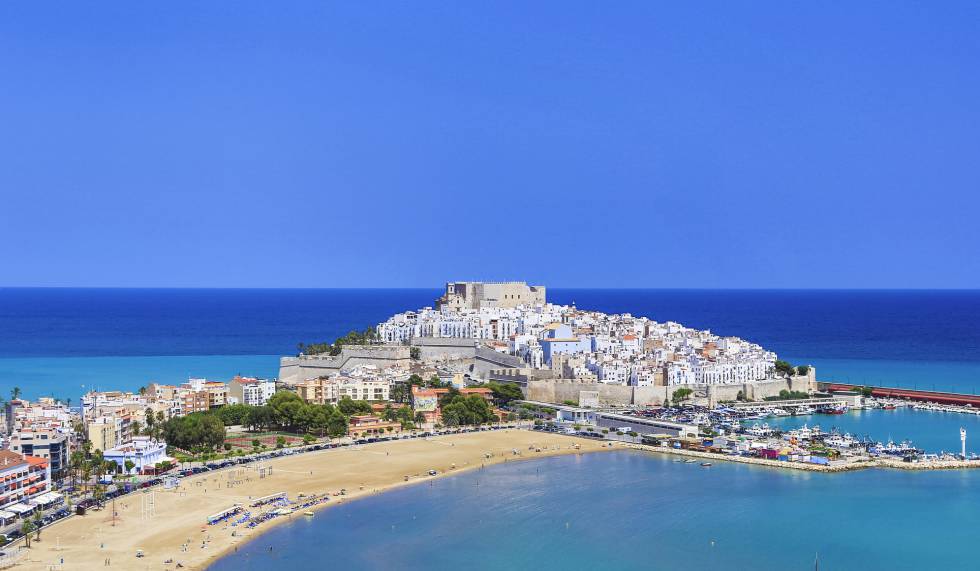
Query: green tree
[151,423]
[388,413]
[280,441]
[784,367]
[399,393]
[467,410]
[129,465]
[336,422]
[37,525]
[504,393]
[233,414]
[285,407]
[368,336]
[15,393]
[99,494]
[803,370]
[198,430]
[788,395]
[26,527]
[448,396]
[415,353]
[349,406]
[681,394]
[260,417]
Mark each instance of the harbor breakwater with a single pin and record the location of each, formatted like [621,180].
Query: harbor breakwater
[839,466]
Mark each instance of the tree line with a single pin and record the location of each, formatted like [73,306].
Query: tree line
[285,411]
[366,337]
[786,368]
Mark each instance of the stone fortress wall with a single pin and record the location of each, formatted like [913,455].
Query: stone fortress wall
[561,390]
[295,369]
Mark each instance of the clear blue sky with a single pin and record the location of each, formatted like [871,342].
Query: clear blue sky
[626,144]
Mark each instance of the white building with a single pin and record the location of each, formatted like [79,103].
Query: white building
[143,452]
[251,391]
[618,349]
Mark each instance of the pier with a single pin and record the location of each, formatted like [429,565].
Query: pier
[909,394]
[763,405]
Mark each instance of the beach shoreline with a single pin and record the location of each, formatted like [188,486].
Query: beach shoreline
[85,542]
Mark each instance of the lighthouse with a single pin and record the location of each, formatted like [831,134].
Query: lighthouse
[963,442]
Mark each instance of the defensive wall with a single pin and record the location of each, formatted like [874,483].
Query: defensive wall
[561,390]
[294,369]
[444,348]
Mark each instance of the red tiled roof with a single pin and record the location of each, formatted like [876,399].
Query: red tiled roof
[10,459]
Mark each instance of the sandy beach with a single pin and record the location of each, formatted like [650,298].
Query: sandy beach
[92,541]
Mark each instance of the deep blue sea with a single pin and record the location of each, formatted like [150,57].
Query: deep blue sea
[639,511]
[54,341]
[604,511]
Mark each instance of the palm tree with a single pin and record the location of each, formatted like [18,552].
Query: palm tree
[37,525]
[15,393]
[86,473]
[75,465]
[25,529]
[99,494]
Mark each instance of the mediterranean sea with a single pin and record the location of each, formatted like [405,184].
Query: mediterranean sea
[635,510]
[53,341]
[622,510]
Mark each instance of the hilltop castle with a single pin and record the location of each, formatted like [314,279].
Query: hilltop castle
[480,295]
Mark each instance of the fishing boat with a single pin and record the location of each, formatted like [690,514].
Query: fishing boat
[838,440]
[836,408]
[308,512]
[802,433]
[705,464]
[756,430]
[903,449]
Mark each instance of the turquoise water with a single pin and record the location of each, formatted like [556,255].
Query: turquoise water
[932,431]
[70,377]
[952,376]
[631,510]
